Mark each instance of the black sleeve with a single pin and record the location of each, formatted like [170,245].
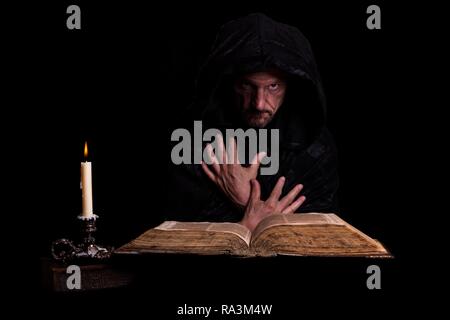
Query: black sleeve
[193,197]
[321,183]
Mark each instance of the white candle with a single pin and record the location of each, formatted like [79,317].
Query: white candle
[87,210]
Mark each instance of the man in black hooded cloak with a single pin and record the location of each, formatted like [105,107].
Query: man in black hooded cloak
[260,74]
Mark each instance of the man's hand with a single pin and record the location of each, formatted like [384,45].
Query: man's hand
[229,175]
[257,209]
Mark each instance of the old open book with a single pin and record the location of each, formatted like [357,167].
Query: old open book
[309,234]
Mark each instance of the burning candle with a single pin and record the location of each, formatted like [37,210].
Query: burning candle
[86,186]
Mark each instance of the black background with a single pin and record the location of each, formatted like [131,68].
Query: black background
[120,83]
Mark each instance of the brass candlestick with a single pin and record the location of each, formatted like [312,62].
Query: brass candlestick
[66,250]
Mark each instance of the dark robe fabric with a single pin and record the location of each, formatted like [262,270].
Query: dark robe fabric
[307,151]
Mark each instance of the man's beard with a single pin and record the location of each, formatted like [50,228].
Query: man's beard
[257,119]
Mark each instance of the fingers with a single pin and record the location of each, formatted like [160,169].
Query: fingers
[221,152]
[295,205]
[290,197]
[213,158]
[232,153]
[276,192]
[258,157]
[208,172]
[255,192]
[256,161]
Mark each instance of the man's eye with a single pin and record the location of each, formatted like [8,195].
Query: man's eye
[274,86]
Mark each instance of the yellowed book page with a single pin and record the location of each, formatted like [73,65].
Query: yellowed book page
[234,228]
[375,242]
[176,225]
[313,234]
[297,219]
[317,240]
[224,227]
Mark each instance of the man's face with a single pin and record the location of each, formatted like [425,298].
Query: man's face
[259,96]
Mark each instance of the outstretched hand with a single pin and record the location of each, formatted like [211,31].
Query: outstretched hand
[229,175]
[257,209]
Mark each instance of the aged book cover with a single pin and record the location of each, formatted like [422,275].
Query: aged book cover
[309,234]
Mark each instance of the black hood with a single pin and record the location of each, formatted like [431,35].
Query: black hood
[256,43]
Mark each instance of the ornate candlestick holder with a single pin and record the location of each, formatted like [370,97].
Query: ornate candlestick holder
[66,250]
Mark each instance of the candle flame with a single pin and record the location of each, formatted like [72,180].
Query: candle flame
[85,150]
